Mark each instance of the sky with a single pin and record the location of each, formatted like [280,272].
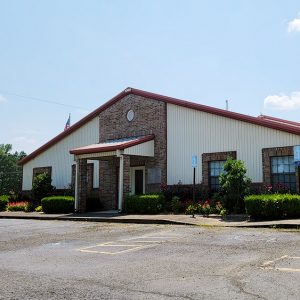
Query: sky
[69,57]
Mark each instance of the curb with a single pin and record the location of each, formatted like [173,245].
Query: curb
[149,221]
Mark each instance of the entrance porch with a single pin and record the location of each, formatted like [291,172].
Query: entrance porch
[124,166]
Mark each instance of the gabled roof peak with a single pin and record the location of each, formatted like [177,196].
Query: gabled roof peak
[282,125]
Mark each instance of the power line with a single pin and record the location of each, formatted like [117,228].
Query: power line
[42,100]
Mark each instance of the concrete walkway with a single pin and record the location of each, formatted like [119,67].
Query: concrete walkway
[114,217]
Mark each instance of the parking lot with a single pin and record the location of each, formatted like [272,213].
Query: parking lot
[85,260]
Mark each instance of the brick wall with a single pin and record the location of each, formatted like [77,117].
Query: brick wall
[207,157]
[267,153]
[150,117]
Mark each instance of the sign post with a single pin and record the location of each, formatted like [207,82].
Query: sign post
[194,166]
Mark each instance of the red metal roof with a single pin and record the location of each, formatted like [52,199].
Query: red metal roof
[279,120]
[282,126]
[112,145]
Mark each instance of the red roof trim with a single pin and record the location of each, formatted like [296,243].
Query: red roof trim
[126,144]
[286,127]
[279,120]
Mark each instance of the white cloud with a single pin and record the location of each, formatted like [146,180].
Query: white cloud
[2,99]
[294,25]
[283,102]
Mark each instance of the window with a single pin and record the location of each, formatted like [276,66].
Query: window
[283,172]
[41,170]
[215,169]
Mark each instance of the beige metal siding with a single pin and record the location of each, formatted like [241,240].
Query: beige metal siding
[144,149]
[61,160]
[192,132]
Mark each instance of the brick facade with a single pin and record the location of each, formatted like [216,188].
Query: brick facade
[82,184]
[207,157]
[150,117]
[267,153]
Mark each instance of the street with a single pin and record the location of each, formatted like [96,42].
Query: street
[85,260]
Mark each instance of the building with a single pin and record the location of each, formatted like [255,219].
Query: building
[139,140]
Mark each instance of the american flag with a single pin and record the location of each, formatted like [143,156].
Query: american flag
[68,124]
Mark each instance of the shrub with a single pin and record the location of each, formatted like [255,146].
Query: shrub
[192,209]
[42,187]
[3,202]
[17,206]
[39,208]
[175,204]
[235,184]
[223,213]
[183,191]
[58,204]
[273,205]
[205,208]
[144,204]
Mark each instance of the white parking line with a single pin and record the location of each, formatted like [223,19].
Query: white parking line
[132,244]
[271,265]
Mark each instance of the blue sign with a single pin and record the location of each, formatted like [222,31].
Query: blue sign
[194,161]
[296,154]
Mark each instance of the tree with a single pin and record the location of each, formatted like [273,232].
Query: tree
[235,184]
[10,171]
[42,187]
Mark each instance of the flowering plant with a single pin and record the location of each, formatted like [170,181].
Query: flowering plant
[17,206]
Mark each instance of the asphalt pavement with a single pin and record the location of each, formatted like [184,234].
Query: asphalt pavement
[88,260]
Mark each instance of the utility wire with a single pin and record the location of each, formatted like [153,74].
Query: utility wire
[42,100]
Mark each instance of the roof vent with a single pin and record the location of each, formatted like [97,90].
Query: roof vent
[127,90]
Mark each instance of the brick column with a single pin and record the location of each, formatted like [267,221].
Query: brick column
[82,184]
[126,176]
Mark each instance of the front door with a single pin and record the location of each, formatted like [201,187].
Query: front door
[137,180]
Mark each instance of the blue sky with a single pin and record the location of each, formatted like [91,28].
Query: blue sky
[82,53]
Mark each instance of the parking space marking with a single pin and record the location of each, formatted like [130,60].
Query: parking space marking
[112,252]
[271,265]
[130,244]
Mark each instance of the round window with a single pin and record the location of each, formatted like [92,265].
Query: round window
[130,115]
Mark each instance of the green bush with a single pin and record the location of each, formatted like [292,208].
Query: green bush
[58,204]
[38,208]
[192,209]
[235,185]
[175,204]
[42,187]
[269,206]
[3,202]
[144,204]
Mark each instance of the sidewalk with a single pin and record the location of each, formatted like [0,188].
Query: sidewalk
[114,217]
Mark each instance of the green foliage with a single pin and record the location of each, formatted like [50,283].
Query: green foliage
[39,208]
[41,186]
[10,171]
[58,204]
[18,206]
[144,204]
[205,208]
[235,184]
[224,213]
[3,202]
[269,206]
[192,209]
[184,192]
[175,204]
